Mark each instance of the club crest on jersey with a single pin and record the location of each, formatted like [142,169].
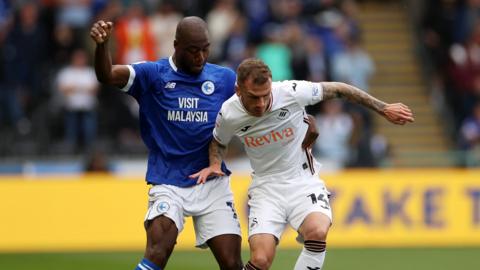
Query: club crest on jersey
[283,114]
[163,207]
[208,87]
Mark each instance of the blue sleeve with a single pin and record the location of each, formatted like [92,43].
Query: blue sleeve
[140,78]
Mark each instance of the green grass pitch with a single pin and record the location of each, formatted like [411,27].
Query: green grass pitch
[337,259]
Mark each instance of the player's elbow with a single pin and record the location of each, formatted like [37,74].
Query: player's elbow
[102,78]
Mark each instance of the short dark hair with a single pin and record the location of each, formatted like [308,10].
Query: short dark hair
[255,69]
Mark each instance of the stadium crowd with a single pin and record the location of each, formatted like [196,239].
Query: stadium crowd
[450,34]
[45,52]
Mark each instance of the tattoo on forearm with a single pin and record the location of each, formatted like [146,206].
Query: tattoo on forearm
[217,152]
[342,90]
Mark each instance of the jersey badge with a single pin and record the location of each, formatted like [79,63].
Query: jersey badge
[163,207]
[283,114]
[208,87]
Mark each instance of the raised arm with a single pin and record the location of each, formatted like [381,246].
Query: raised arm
[116,75]
[396,113]
[216,154]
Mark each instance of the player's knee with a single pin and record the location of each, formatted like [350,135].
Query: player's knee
[231,264]
[316,233]
[261,261]
[158,254]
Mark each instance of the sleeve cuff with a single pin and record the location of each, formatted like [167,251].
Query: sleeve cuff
[131,78]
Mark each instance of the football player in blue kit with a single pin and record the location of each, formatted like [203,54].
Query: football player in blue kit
[179,98]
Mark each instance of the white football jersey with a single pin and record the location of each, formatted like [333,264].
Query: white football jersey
[273,142]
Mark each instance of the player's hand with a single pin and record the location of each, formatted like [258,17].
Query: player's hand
[398,113]
[312,133]
[206,172]
[101,31]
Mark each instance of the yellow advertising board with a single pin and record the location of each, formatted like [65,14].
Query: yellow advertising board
[371,208]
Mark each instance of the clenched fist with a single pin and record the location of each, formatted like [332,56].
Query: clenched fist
[101,31]
[398,113]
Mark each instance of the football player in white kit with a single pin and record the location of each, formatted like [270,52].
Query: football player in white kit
[269,118]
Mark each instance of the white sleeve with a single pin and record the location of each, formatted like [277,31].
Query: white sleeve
[306,93]
[222,132]
[131,78]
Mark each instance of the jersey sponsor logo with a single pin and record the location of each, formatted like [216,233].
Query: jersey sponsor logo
[245,128]
[269,138]
[187,116]
[283,114]
[208,87]
[187,102]
[170,85]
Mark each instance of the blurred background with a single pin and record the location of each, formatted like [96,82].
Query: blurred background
[72,162]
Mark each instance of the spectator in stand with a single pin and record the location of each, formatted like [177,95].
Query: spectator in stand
[134,36]
[470,138]
[64,43]
[221,20]
[437,34]
[335,128]
[353,65]
[78,83]
[464,75]
[316,61]
[349,10]
[257,14]
[77,14]
[24,52]
[272,48]
[236,46]
[163,25]
[5,23]
[296,38]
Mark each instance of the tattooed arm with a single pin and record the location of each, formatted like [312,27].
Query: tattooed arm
[216,154]
[396,113]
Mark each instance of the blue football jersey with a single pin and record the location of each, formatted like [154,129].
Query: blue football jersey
[177,116]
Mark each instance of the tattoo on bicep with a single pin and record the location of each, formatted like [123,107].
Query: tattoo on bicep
[341,90]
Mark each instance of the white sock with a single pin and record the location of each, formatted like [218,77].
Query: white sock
[309,260]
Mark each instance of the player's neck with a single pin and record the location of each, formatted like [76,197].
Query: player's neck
[181,69]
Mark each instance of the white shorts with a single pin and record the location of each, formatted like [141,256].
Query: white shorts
[274,202]
[210,205]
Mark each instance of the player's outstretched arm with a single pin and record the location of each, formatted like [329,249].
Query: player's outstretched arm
[396,113]
[107,73]
[216,154]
